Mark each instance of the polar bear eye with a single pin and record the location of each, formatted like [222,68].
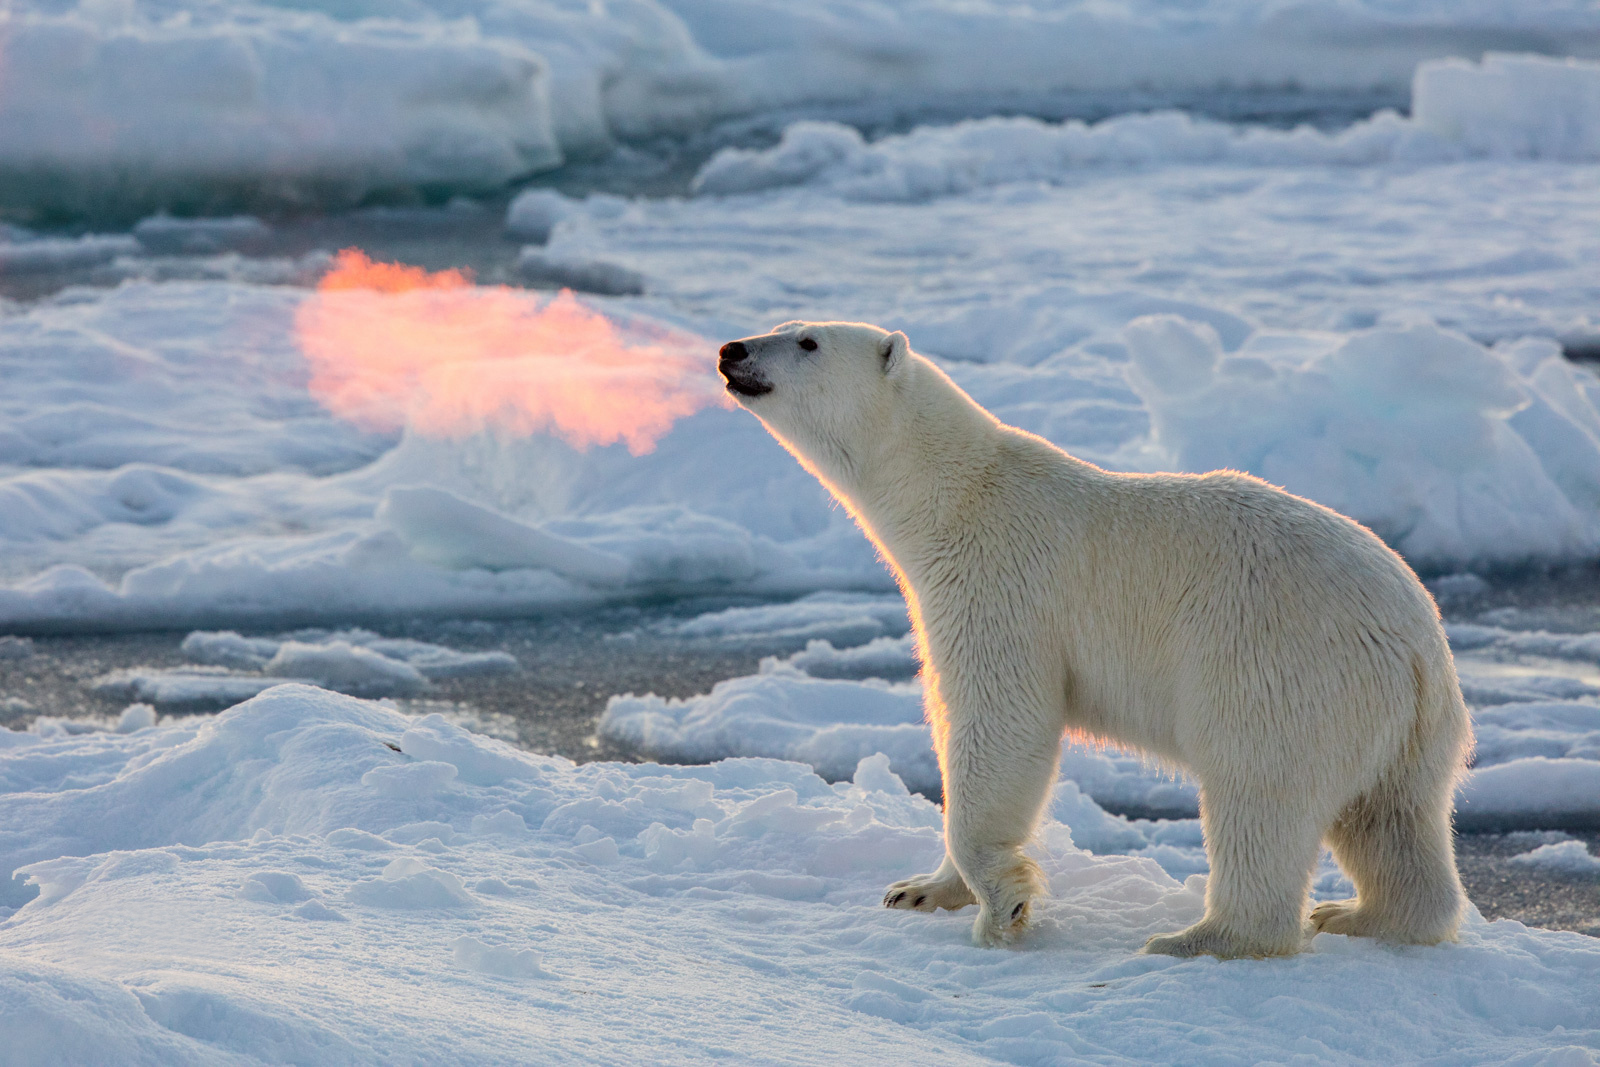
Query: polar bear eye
[809,345]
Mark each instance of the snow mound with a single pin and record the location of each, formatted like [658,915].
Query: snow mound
[441,528]
[1531,793]
[345,667]
[1509,107]
[264,103]
[889,658]
[831,725]
[1448,450]
[164,235]
[544,270]
[1564,857]
[845,617]
[1512,106]
[34,255]
[359,662]
[534,213]
[427,931]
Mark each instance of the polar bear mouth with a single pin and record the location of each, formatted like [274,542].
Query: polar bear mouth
[743,386]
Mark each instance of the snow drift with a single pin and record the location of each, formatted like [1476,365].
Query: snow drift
[1537,762]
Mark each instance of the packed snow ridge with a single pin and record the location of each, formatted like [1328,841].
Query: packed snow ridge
[231,668]
[1509,107]
[115,513]
[1537,718]
[413,892]
[331,102]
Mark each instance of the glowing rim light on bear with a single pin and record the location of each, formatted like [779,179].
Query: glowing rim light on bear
[393,346]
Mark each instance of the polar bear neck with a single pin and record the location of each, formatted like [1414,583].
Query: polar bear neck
[933,462]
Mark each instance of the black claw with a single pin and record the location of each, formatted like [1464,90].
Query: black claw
[1016,912]
[897,898]
[918,902]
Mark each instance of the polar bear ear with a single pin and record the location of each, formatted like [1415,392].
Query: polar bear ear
[893,349]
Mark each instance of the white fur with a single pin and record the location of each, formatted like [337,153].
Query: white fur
[1277,650]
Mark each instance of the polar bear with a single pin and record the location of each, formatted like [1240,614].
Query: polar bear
[1275,649]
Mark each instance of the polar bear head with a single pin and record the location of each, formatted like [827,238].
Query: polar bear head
[824,389]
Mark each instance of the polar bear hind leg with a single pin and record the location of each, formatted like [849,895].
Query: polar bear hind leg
[1395,844]
[1395,840]
[1261,863]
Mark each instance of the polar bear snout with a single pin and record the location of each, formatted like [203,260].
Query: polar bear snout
[736,366]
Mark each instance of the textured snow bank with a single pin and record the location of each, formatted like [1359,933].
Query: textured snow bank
[23,254]
[827,723]
[1509,107]
[1445,448]
[460,900]
[259,102]
[228,649]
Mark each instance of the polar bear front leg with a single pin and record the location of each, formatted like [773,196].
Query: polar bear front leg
[998,769]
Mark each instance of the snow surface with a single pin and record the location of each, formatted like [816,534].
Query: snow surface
[277,883]
[330,101]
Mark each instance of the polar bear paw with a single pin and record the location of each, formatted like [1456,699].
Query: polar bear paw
[928,892]
[1000,927]
[1212,939]
[1007,903]
[1340,917]
[1414,927]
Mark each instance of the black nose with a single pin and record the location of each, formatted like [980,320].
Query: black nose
[733,352]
